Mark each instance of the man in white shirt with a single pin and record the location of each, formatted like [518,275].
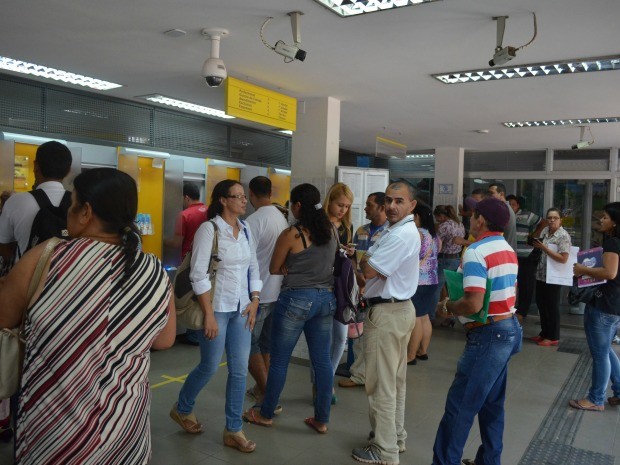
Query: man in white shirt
[391,269]
[266,224]
[51,165]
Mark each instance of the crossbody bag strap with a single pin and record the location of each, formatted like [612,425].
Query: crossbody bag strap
[36,277]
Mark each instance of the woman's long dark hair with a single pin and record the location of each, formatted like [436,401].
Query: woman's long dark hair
[221,190]
[613,210]
[113,197]
[426,217]
[313,219]
[447,210]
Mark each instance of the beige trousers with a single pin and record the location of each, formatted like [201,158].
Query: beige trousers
[386,334]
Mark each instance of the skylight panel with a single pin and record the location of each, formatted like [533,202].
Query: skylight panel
[183,105]
[346,8]
[561,122]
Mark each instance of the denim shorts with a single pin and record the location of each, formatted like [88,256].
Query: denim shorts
[425,299]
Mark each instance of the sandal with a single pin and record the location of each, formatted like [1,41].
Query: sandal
[613,401]
[188,422]
[312,423]
[579,405]
[238,441]
[252,416]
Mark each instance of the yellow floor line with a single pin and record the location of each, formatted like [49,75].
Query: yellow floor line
[173,379]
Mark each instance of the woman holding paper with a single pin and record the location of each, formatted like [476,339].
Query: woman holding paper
[548,295]
[602,316]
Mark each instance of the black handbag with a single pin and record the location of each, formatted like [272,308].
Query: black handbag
[583,294]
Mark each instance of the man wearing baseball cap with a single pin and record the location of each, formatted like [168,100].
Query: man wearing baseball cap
[479,387]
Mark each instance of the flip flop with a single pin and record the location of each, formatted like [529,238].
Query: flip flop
[577,404]
[312,423]
[250,416]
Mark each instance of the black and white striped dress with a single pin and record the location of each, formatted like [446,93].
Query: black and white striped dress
[85,395]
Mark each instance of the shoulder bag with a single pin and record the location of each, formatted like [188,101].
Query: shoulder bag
[12,341]
[188,310]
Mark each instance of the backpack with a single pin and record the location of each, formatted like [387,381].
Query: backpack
[188,310]
[50,221]
[346,290]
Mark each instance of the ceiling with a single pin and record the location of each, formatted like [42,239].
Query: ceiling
[378,65]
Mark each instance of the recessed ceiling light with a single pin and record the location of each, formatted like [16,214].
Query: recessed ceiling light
[421,155]
[171,102]
[174,33]
[345,8]
[578,65]
[561,122]
[24,67]
[482,131]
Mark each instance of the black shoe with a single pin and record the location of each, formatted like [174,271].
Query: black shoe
[183,339]
[412,362]
[422,357]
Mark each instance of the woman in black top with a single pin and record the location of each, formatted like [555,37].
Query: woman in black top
[602,316]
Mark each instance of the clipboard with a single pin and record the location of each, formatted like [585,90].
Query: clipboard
[454,284]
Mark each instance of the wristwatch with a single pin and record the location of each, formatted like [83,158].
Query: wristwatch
[256,297]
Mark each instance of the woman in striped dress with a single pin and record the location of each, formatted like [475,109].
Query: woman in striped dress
[100,306]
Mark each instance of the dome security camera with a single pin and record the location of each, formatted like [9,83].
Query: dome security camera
[214,72]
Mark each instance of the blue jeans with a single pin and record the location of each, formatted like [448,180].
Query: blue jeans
[235,338]
[310,311]
[600,329]
[479,388]
[442,264]
[261,335]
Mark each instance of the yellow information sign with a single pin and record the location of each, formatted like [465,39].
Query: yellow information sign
[254,103]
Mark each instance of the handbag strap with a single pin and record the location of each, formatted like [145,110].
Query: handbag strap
[36,277]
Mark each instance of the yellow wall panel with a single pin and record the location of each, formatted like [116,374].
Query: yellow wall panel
[280,187]
[24,166]
[151,201]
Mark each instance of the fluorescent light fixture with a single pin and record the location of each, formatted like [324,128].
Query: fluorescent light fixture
[578,65]
[23,67]
[190,177]
[183,105]
[30,139]
[281,171]
[145,153]
[229,164]
[560,122]
[288,132]
[345,8]
[421,156]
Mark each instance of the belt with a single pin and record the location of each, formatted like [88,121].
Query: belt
[378,300]
[491,319]
[449,255]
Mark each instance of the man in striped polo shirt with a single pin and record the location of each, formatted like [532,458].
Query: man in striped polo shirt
[479,387]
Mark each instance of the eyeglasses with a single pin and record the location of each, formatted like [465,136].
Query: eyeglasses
[553,218]
[237,196]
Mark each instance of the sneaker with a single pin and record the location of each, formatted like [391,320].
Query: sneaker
[369,455]
[468,462]
[616,340]
[400,443]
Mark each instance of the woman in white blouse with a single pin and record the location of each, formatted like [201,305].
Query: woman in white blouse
[229,313]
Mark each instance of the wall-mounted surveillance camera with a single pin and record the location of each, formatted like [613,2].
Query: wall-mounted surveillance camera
[582,144]
[213,69]
[505,54]
[214,72]
[290,51]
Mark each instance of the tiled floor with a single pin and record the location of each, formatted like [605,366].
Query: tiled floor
[536,377]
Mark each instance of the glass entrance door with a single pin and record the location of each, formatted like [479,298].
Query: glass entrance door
[581,204]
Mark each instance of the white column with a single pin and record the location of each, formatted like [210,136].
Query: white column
[449,167]
[316,143]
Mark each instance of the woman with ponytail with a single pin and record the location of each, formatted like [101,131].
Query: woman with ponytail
[99,307]
[304,254]
[229,311]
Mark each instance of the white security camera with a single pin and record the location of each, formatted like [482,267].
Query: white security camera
[582,144]
[503,55]
[290,51]
[214,72]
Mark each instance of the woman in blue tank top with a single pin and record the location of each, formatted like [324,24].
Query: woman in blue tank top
[304,254]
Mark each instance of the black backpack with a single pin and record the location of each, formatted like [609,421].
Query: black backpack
[50,221]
